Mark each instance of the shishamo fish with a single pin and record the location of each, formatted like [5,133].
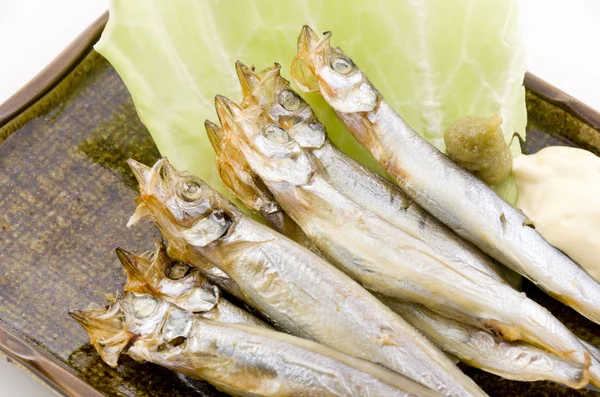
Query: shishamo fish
[242,360]
[407,263]
[366,188]
[285,107]
[156,274]
[291,285]
[447,191]
[237,176]
[480,349]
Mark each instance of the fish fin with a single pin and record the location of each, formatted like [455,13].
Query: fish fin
[368,137]
[587,376]
[106,332]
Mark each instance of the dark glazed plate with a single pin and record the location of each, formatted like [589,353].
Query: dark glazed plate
[66,194]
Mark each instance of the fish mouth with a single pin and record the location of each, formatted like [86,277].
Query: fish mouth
[148,177]
[248,79]
[150,191]
[268,80]
[252,82]
[141,172]
[130,262]
[310,48]
[215,136]
[231,115]
[106,332]
[137,268]
[227,112]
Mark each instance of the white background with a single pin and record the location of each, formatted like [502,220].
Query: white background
[561,38]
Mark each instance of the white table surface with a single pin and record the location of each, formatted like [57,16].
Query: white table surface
[561,39]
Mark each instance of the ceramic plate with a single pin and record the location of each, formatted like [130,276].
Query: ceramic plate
[66,194]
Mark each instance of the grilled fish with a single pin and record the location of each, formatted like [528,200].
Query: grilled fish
[242,360]
[481,349]
[366,188]
[392,257]
[291,285]
[156,274]
[444,189]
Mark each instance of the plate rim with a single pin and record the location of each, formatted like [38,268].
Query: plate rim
[40,364]
[53,73]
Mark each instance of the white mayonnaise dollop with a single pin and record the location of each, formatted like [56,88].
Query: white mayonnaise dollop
[559,190]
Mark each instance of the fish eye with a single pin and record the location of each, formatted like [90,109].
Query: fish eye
[276,134]
[191,191]
[342,65]
[316,126]
[178,271]
[290,100]
[144,307]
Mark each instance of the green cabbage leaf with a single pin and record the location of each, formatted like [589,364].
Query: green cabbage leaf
[434,60]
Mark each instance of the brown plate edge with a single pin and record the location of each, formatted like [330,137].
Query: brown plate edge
[47,369]
[555,96]
[28,354]
[52,74]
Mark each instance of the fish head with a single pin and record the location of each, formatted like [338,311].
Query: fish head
[236,174]
[134,318]
[181,284]
[157,274]
[106,329]
[284,106]
[152,318]
[268,148]
[188,212]
[318,66]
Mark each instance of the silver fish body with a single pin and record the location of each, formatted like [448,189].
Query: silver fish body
[180,285]
[432,180]
[395,264]
[363,186]
[291,285]
[247,361]
[480,349]
[240,359]
[399,252]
